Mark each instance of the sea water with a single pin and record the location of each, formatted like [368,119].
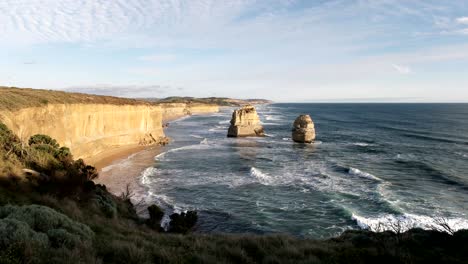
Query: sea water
[373,166]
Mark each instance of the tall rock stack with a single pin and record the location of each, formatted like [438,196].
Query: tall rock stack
[303,129]
[245,123]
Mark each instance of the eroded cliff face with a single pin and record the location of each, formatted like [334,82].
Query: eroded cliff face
[245,123]
[303,129]
[171,111]
[89,129]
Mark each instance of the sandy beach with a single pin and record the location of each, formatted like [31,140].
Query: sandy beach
[124,169]
[122,166]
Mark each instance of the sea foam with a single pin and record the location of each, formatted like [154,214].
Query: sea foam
[262,178]
[362,174]
[145,175]
[404,222]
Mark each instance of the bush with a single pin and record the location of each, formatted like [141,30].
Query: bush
[13,231]
[82,172]
[9,142]
[40,139]
[183,222]
[104,201]
[155,217]
[43,225]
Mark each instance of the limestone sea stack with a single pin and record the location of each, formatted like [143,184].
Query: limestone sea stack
[245,123]
[303,129]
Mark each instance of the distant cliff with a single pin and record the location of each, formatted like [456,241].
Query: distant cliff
[220,101]
[172,111]
[89,124]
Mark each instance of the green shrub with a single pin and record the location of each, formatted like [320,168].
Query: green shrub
[42,224]
[63,153]
[13,231]
[9,142]
[183,222]
[105,202]
[82,172]
[155,217]
[40,139]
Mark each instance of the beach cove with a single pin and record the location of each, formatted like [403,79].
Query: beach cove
[345,180]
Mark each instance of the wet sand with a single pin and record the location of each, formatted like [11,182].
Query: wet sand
[122,167]
[126,170]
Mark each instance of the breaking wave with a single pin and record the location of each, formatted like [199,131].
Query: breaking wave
[404,222]
[145,175]
[362,174]
[262,178]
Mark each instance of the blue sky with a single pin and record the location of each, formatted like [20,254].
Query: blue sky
[284,50]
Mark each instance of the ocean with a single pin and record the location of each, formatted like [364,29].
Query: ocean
[373,166]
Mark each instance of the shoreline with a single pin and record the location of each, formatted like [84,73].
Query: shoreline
[122,166]
[107,158]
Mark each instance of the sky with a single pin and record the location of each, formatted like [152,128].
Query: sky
[283,50]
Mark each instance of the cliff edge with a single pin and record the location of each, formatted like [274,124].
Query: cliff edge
[89,124]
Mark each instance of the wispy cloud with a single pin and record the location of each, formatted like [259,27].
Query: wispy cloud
[128,91]
[402,69]
[158,58]
[235,47]
[462,20]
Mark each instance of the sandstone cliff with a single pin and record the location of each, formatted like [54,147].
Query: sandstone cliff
[245,123]
[303,129]
[89,124]
[172,111]
[91,129]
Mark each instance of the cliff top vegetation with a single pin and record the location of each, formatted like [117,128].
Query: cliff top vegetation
[221,101]
[12,98]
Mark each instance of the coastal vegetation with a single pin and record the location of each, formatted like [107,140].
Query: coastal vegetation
[52,212]
[13,98]
[221,101]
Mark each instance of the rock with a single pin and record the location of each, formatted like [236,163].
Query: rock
[245,123]
[303,129]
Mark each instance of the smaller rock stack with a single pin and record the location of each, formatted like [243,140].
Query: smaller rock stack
[245,123]
[303,129]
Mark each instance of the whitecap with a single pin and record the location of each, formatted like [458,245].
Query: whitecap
[196,136]
[262,178]
[160,156]
[120,163]
[204,141]
[224,122]
[357,172]
[270,124]
[145,175]
[273,117]
[404,222]
[361,144]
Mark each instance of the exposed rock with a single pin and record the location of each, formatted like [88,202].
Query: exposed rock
[149,139]
[303,129]
[91,129]
[245,123]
